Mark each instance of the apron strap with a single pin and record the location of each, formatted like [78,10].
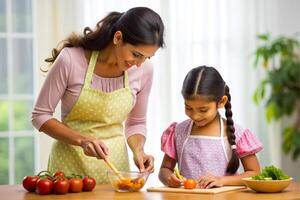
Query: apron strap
[90,70]
[126,79]
[222,138]
[185,141]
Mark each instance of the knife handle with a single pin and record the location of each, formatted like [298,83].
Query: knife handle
[178,175]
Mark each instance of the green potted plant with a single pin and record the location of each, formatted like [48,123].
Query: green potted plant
[280,88]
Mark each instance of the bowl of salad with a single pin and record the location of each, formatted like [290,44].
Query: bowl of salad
[271,179]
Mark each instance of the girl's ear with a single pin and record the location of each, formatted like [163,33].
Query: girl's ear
[117,37]
[222,102]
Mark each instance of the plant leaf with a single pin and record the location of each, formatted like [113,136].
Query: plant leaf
[263,37]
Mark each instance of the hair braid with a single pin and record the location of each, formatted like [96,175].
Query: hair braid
[234,163]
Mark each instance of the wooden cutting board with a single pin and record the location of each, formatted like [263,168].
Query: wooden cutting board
[182,190]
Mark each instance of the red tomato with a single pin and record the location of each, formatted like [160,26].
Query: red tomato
[61,186]
[76,185]
[29,183]
[190,184]
[59,173]
[44,186]
[88,183]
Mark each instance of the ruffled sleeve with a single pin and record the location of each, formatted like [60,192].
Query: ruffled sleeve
[247,143]
[168,141]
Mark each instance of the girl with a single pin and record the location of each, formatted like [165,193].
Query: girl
[206,146]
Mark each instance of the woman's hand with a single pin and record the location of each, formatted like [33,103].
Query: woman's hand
[173,181]
[209,181]
[94,148]
[144,162]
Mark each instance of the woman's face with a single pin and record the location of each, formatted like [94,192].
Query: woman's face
[203,110]
[129,55]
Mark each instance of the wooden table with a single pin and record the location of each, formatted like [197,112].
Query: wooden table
[16,192]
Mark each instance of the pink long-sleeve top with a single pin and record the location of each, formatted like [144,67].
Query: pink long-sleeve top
[65,80]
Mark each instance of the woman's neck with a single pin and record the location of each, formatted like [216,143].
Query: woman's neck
[106,65]
[107,56]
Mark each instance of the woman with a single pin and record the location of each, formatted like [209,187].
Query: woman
[102,78]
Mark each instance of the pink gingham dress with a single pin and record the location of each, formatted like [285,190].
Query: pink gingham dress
[202,155]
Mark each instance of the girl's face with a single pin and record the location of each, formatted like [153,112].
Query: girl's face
[202,110]
[129,55]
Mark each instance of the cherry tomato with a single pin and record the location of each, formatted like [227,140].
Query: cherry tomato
[29,183]
[88,183]
[59,173]
[61,185]
[76,185]
[190,184]
[44,186]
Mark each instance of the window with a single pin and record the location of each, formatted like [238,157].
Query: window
[18,141]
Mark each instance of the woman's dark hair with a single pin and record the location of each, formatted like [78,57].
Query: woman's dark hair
[139,26]
[207,82]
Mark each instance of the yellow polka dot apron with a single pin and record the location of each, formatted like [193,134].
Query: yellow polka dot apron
[100,115]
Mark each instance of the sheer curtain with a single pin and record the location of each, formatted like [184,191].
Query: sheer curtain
[219,33]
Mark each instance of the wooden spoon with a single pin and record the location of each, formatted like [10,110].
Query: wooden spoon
[114,169]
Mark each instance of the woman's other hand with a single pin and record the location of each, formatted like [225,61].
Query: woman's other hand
[144,162]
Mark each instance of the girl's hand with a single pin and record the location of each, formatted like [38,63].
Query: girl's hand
[210,181]
[173,181]
[94,148]
[144,162]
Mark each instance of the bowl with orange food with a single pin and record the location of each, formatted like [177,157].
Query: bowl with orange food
[127,181]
